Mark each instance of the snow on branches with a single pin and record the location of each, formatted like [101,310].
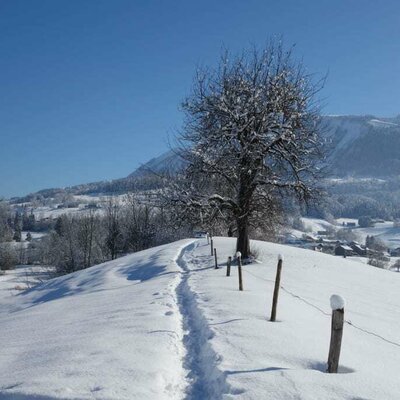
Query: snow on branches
[252,133]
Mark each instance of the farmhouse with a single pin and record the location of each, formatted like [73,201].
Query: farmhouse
[358,249]
[343,250]
[395,252]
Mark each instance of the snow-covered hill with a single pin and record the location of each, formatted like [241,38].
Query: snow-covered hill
[166,162]
[113,331]
[164,324]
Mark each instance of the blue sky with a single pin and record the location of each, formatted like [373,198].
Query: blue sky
[90,89]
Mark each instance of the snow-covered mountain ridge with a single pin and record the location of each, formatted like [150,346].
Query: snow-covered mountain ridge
[371,144]
[361,146]
[166,162]
[364,146]
[165,324]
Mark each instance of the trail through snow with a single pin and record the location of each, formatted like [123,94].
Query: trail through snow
[205,380]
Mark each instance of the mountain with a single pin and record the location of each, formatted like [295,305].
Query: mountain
[164,324]
[146,177]
[362,147]
[168,162]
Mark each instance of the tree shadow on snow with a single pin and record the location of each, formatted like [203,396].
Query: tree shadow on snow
[53,289]
[229,321]
[144,271]
[63,287]
[248,371]
[359,398]
[318,366]
[22,396]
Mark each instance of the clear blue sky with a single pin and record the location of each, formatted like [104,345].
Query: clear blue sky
[89,89]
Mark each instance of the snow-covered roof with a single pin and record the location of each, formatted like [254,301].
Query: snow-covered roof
[345,247]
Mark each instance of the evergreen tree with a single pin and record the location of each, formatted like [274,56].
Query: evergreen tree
[17,235]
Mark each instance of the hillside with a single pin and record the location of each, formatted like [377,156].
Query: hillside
[168,162]
[364,146]
[164,324]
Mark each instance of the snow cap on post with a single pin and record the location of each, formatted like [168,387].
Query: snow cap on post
[280,257]
[337,302]
[238,254]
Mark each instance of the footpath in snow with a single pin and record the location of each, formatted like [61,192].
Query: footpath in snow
[164,324]
[205,380]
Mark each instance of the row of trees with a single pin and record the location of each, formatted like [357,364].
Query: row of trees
[12,223]
[80,241]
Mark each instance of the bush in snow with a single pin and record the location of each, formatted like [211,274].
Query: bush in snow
[396,265]
[377,259]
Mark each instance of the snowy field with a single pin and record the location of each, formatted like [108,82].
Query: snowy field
[314,225]
[34,235]
[81,202]
[164,324]
[46,212]
[23,277]
[384,231]
[341,221]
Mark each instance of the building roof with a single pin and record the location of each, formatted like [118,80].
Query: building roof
[345,247]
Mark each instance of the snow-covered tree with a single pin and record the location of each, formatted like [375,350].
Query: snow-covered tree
[251,135]
[88,229]
[8,256]
[5,222]
[113,227]
[17,234]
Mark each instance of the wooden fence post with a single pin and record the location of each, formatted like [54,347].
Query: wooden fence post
[215,256]
[239,258]
[337,305]
[212,247]
[276,288]
[228,266]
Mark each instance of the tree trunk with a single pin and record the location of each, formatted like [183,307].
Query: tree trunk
[243,241]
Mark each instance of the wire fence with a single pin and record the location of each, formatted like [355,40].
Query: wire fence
[322,311]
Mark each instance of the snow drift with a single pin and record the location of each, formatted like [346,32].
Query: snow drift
[112,331]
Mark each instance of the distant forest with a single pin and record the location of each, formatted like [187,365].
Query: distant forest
[353,199]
